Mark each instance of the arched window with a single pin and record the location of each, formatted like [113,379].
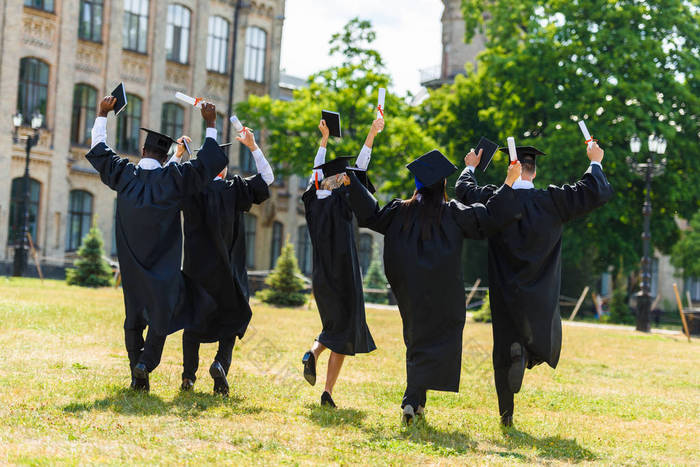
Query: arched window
[276,246]
[79,218]
[17,211]
[177,33]
[304,250]
[33,88]
[173,120]
[90,20]
[217,44]
[249,222]
[255,54]
[128,125]
[135,27]
[365,252]
[46,5]
[84,110]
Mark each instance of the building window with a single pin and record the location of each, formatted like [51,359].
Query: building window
[219,126]
[17,211]
[135,32]
[79,218]
[177,34]
[46,5]
[276,247]
[90,20]
[303,182]
[217,44]
[128,125]
[33,88]
[249,222]
[692,285]
[255,53]
[84,111]
[365,252]
[304,250]
[173,120]
[245,158]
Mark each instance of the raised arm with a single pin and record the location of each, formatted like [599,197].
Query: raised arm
[592,191]
[366,207]
[241,193]
[321,153]
[363,158]
[467,189]
[264,168]
[180,151]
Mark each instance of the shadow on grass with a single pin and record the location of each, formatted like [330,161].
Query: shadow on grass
[185,404]
[326,416]
[430,438]
[550,447]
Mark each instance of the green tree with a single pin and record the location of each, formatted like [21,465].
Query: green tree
[285,282]
[376,279]
[350,88]
[91,270]
[685,254]
[483,314]
[626,67]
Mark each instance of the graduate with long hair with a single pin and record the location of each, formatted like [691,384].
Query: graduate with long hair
[423,239]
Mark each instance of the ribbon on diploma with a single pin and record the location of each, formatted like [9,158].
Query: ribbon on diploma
[381,111]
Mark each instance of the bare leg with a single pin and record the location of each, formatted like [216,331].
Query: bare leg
[316,349]
[335,363]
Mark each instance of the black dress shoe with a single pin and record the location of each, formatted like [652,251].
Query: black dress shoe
[220,382]
[327,400]
[309,362]
[506,421]
[139,379]
[187,384]
[518,362]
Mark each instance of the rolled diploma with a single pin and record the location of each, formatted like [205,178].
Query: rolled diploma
[511,150]
[187,99]
[237,124]
[380,102]
[585,132]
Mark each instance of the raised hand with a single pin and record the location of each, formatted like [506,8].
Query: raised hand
[247,139]
[514,172]
[106,104]
[209,114]
[181,145]
[472,159]
[595,153]
[377,126]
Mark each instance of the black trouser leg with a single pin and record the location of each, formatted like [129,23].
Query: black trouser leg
[414,397]
[133,340]
[505,396]
[190,356]
[224,353]
[152,350]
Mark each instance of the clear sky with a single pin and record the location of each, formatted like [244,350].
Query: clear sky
[408,35]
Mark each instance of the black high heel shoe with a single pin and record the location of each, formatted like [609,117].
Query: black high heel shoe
[327,400]
[309,362]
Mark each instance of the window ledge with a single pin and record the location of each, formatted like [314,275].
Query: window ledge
[91,41]
[136,52]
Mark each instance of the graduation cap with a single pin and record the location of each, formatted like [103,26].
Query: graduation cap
[432,167]
[333,121]
[120,94]
[157,142]
[336,166]
[525,153]
[363,177]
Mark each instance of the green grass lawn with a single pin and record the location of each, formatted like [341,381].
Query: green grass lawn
[618,397]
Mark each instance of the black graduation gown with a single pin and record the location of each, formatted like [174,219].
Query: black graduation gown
[336,277]
[525,262]
[426,276]
[149,236]
[215,253]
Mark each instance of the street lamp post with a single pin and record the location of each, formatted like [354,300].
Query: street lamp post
[20,260]
[648,169]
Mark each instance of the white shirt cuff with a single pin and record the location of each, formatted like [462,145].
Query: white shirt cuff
[263,166]
[211,133]
[471,168]
[99,131]
[597,163]
[362,161]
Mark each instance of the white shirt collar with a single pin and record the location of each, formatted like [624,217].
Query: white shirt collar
[149,164]
[521,184]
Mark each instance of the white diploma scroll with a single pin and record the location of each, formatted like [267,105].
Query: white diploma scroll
[586,134]
[194,101]
[380,103]
[237,124]
[511,150]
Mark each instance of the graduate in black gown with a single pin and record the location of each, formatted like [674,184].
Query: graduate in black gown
[336,278]
[149,236]
[525,267]
[215,258]
[423,238]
